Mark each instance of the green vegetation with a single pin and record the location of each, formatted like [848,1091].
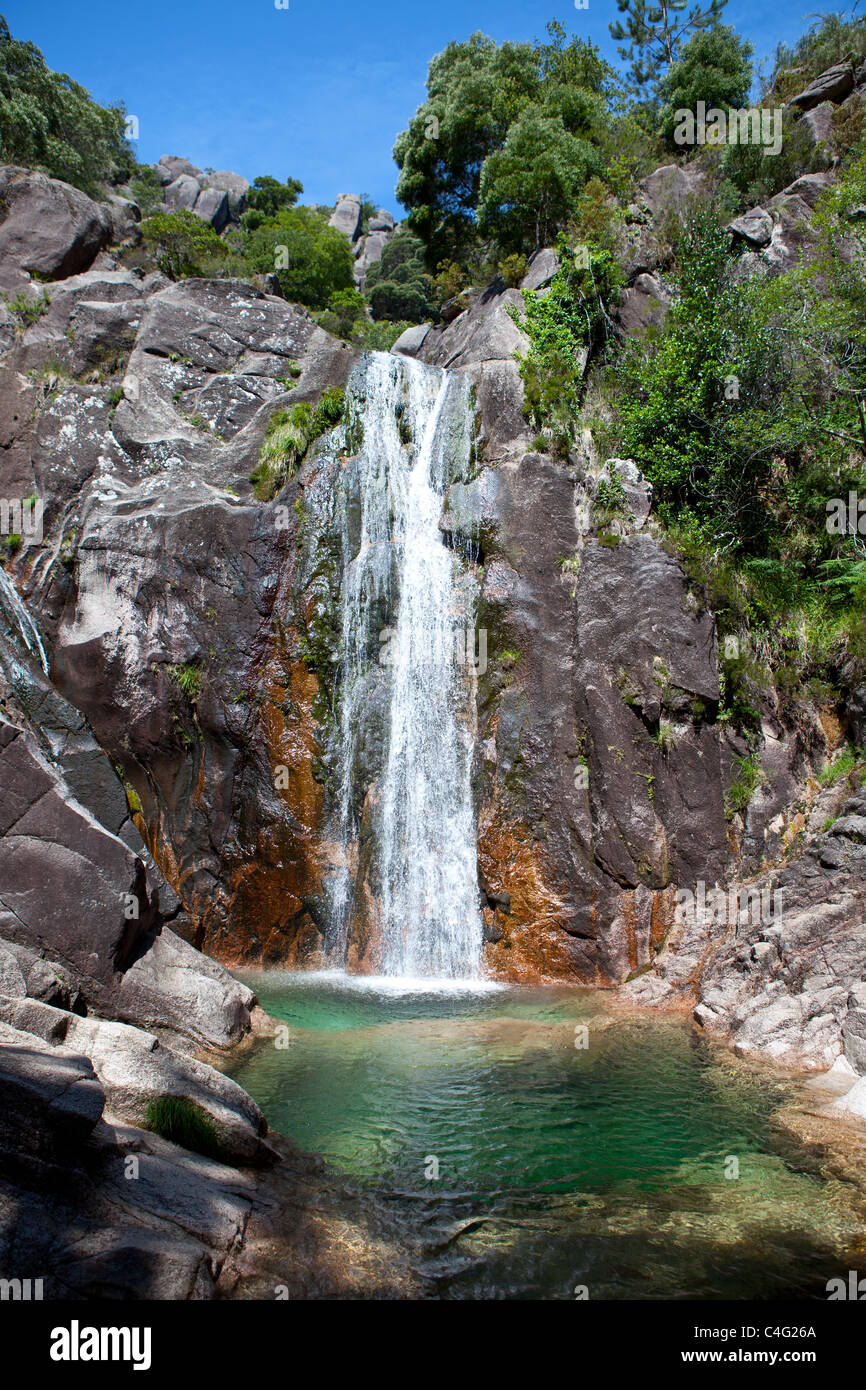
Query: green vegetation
[504,143]
[182,1122]
[50,123]
[311,260]
[187,678]
[288,437]
[714,67]
[846,761]
[184,245]
[748,778]
[651,37]
[27,311]
[398,286]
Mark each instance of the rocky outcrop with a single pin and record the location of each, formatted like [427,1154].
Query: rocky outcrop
[775,964]
[47,228]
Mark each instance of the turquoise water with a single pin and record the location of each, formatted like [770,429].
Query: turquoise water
[524,1142]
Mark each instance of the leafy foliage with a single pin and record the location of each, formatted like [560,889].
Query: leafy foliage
[499,121]
[398,285]
[183,244]
[289,435]
[319,258]
[651,37]
[50,123]
[715,67]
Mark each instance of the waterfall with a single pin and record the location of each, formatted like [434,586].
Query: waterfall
[20,620]
[404,621]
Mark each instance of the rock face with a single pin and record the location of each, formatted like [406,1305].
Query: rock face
[776,964]
[188,628]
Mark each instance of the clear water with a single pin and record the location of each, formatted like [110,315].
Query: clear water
[558,1166]
[403,607]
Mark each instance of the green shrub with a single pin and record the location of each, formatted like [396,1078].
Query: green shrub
[187,678]
[749,777]
[27,311]
[145,189]
[288,437]
[182,1122]
[319,259]
[184,245]
[398,286]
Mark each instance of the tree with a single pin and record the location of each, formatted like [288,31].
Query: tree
[310,259]
[183,244]
[652,35]
[529,186]
[50,123]
[475,91]
[267,196]
[714,67]
[478,93]
[398,285]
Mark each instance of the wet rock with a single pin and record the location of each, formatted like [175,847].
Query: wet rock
[411,341]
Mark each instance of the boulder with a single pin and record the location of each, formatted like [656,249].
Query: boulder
[177,167]
[833,85]
[669,190]
[754,227]
[233,185]
[346,217]
[643,305]
[47,227]
[382,222]
[183,194]
[134,1069]
[411,340]
[52,1099]
[173,986]
[212,205]
[543,265]
[819,123]
[73,890]
[808,188]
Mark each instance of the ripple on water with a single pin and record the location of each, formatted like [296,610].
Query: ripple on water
[558,1165]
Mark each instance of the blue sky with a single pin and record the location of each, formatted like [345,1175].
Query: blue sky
[317,91]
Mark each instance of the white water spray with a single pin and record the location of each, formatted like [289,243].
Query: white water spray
[417,423]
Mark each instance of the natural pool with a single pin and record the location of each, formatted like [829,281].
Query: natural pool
[560,1166]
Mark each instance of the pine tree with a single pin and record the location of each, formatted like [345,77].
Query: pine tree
[652,36]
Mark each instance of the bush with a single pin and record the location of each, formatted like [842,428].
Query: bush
[398,286]
[715,67]
[266,197]
[184,245]
[146,189]
[288,437]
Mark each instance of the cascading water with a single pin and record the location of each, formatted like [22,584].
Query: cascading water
[421,851]
[20,620]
